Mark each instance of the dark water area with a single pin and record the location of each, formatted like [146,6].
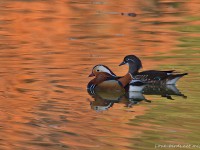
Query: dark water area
[47,51]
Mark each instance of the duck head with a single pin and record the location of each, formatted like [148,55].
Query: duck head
[101,68]
[133,62]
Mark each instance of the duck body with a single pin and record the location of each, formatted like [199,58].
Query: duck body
[105,79]
[150,76]
[158,77]
[109,85]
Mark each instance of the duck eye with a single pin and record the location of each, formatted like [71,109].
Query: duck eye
[98,70]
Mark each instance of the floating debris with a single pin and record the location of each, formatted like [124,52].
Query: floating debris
[119,13]
[129,14]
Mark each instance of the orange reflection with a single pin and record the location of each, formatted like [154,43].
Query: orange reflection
[48,49]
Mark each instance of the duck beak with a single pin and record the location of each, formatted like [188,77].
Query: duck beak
[122,63]
[91,75]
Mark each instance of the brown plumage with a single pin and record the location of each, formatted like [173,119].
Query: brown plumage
[125,80]
[99,78]
[106,79]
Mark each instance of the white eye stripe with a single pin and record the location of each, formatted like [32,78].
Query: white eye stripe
[130,59]
[101,68]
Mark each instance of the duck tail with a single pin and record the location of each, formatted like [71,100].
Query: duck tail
[173,78]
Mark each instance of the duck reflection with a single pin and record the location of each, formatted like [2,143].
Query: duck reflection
[135,98]
[163,90]
[104,99]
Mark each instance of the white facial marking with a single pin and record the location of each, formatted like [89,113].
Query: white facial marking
[103,69]
[130,60]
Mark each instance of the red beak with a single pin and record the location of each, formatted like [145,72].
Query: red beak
[91,75]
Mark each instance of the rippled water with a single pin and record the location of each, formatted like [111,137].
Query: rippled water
[47,50]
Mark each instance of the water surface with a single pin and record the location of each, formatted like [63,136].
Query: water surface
[47,50]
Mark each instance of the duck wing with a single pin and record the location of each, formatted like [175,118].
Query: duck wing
[158,71]
[151,75]
[155,76]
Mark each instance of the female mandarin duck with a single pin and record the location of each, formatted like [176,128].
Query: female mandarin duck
[150,76]
[105,79]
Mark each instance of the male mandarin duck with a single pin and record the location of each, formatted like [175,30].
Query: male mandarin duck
[105,79]
[150,76]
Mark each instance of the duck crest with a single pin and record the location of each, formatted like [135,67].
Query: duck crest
[101,68]
[133,61]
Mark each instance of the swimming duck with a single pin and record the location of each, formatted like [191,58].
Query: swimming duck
[105,79]
[150,76]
